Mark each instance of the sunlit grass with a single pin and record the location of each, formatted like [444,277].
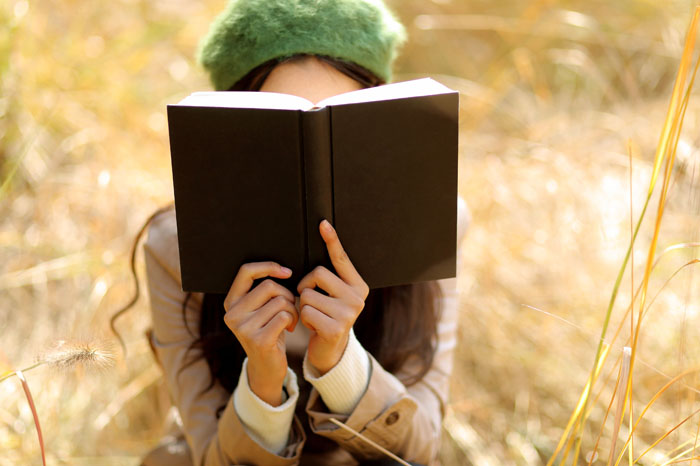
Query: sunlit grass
[552,92]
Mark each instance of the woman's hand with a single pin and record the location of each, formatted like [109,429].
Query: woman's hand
[331,317]
[258,318]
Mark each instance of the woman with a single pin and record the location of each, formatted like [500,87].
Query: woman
[377,360]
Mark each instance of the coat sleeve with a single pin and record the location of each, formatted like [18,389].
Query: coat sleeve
[404,420]
[213,442]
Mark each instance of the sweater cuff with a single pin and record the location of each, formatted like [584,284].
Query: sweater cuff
[266,424]
[342,387]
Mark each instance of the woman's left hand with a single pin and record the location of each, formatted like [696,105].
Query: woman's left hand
[331,317]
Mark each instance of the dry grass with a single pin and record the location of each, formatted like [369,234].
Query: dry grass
[551,93]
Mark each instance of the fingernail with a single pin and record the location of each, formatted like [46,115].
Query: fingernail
[327,225]
[286,270]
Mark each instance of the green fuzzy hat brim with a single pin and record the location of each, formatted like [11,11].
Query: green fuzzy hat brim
[250,32]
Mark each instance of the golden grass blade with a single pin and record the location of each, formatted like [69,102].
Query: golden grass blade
[621,398]
[671,121]
[650,403]
[30,400]
[370,442]
[630,452]
[675,247]
[684,460]
[695,443]
[679,455]
[594,453]
[672,126]
[629,151]
[9,374]
[579,408]
[693,262]
[676,127]
[627,350]
[668,433]
[673,135]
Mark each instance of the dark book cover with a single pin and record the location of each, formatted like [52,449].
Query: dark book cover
[253,184]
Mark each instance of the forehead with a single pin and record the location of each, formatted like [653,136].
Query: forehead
[310,78]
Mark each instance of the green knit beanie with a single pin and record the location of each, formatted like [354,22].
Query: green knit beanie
[250,32]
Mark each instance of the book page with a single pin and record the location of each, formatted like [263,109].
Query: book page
[413,88]
[244,99]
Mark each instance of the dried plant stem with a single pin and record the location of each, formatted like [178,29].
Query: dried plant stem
[11,373]
[621,398]
[665,152]
[667,434]
[667,148]
[695,443]
[71,354]
[599,357]
[627,350]
[374,444]
[28,394]
[594,453]
[580,406]
[651,402]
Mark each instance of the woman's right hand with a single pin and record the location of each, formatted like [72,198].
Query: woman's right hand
[258,318]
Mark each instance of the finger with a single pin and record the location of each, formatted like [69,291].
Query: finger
[326,280]
[261,317]
[340,260]
[315,320]
[254,300]
[262,293]
[250,271]
[271,332]
[332,307]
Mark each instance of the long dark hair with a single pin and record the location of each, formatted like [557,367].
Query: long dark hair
[398,323]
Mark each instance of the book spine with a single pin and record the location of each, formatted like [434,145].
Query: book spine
[318,179]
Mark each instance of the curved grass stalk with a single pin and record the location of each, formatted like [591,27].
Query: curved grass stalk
[677,126]
[579,406]
[695,443]
[679,455]
[665,151]
[692,262]
[9,374]
[667,434]
[650,403]
[30,400]
[607,411]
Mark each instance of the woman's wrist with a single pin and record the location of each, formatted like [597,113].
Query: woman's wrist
[268,425]
[342,387]
[265,386]
[331,357]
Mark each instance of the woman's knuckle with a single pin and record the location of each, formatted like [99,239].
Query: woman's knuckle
[279,302]
[357,302]
[268,285]
[364,290]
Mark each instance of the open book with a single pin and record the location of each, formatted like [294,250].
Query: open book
[254,173]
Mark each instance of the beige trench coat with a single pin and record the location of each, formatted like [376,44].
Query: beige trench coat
[406,421]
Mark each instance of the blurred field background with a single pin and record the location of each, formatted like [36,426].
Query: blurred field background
[551,93]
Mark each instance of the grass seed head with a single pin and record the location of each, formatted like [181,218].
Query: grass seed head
[87,353]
